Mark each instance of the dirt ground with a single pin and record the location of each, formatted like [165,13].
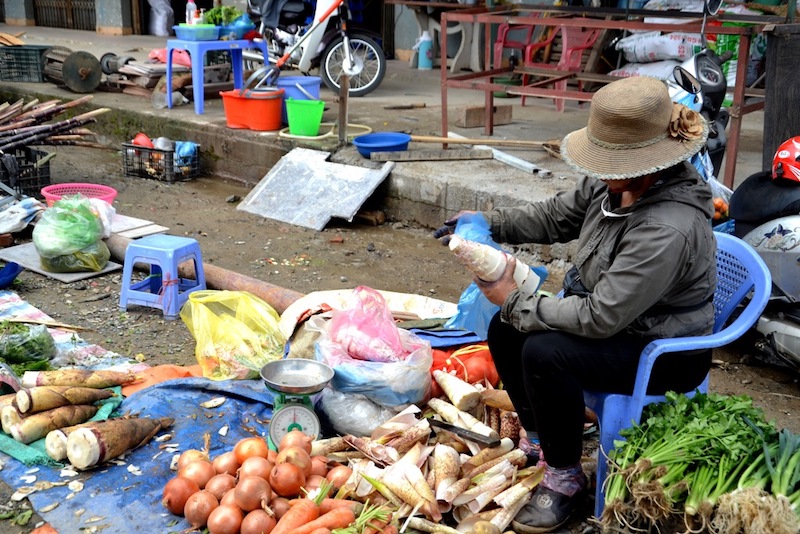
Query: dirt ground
[394,256]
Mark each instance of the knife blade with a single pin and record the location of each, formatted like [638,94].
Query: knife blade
[467,434]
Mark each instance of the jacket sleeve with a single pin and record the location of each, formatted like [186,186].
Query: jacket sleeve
[636,280]
[555,220]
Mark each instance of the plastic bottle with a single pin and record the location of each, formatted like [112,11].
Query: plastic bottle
[191,11]
[425,51]
[199,16]
[489,264]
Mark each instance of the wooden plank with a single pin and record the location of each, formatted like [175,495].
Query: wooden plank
[473,116]
[10,39]
[432,155]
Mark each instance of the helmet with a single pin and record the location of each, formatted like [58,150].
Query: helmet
[786,162]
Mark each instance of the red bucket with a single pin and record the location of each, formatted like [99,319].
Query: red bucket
[253,110]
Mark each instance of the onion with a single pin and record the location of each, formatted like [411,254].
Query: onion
[189,456]
[199,507]
[247,447]
[225,519]
[220,484]
[297,456]
[200,471]
[272,456]
[176,492]
[226,463]
[279,506]
[286,479]
[338,475]
[257,522]
[256,466]
[296,438]
[228,498]
[252,493]
[319,465]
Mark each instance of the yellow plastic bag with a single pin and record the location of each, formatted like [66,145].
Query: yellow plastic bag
[236,333]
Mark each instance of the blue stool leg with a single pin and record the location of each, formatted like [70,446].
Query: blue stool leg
[236,64]
[169,76]
[197,80]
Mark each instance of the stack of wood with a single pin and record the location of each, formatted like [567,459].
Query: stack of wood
[141,78]
[31,124]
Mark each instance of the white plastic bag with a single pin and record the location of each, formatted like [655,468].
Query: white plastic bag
[653,46]
[658,69]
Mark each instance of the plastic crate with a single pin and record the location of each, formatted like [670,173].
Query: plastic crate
[23,63]
[143,162]
[27,178]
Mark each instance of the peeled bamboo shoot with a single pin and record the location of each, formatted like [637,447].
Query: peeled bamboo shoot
[463,395]
[99,443]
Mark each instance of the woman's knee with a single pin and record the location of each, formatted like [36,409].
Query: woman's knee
[543,353]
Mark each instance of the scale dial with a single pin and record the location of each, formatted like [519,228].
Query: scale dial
[293,417]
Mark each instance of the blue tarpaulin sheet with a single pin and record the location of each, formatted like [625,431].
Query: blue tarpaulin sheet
[117,499]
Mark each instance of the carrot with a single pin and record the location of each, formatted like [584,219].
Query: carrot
[330,503]
[322,530]
[300,513]
[105,440]
[41,398]
[375,526]
[389,529]
[337,518]
[37,426]
[77,377]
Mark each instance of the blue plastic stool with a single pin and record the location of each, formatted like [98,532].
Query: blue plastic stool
[197,51]
[163,288]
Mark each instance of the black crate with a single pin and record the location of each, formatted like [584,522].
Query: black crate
[164,165]
[23,63]
[28,174]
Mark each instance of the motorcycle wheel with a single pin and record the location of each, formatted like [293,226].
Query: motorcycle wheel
[365,53]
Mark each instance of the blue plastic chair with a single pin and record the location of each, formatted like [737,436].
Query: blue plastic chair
[740,272]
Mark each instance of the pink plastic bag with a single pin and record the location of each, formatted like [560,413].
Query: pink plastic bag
[366,329]
[179,57]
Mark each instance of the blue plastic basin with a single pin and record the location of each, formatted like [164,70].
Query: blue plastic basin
[381,142]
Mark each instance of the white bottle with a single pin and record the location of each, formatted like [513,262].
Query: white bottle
[191,11]
[489,264]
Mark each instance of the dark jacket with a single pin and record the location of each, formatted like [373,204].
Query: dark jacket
[651,270]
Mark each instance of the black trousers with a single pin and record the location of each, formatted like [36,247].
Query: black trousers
[546,372]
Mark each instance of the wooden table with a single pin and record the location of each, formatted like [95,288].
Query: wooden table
[469,52]
[483,80]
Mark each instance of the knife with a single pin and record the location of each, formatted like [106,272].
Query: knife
[467,434]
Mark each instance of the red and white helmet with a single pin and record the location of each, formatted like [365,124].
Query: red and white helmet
[786,162]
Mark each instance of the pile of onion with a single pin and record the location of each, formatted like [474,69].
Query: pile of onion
[247,489]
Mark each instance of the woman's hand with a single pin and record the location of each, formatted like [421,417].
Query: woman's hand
[497,292]
[450,226]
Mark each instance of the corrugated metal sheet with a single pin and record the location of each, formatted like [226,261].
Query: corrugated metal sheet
[75,14]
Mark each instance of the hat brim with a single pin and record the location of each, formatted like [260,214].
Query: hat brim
[613,164]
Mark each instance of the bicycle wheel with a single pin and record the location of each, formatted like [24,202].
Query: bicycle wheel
[368,69]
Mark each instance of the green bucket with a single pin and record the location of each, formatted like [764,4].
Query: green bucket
[304,116]
[506,80]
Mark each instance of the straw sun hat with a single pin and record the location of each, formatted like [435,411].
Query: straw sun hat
[634,129]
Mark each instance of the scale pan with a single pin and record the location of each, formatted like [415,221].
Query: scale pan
[296,375]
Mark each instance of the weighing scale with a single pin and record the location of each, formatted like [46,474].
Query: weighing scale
[293,381]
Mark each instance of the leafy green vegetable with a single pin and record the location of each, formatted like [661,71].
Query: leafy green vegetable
[222,15]
[21,343]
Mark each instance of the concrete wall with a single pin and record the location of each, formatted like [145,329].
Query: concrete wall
[114,17]
[19,13]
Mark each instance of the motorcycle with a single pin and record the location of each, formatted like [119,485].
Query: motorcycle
[765,209]
[303,36]
[699,83]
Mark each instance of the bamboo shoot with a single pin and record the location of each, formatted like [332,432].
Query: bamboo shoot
[36,426]
[97,444]
[78,377]
[41,398]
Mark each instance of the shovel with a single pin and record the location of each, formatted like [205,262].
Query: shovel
[547,145]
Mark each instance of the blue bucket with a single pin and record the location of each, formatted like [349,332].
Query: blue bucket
[289,85]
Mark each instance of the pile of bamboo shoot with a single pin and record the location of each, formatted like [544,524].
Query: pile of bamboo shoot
[422,475]
[57,406]
[40,123]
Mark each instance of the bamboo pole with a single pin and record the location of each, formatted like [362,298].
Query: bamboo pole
[487,142]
